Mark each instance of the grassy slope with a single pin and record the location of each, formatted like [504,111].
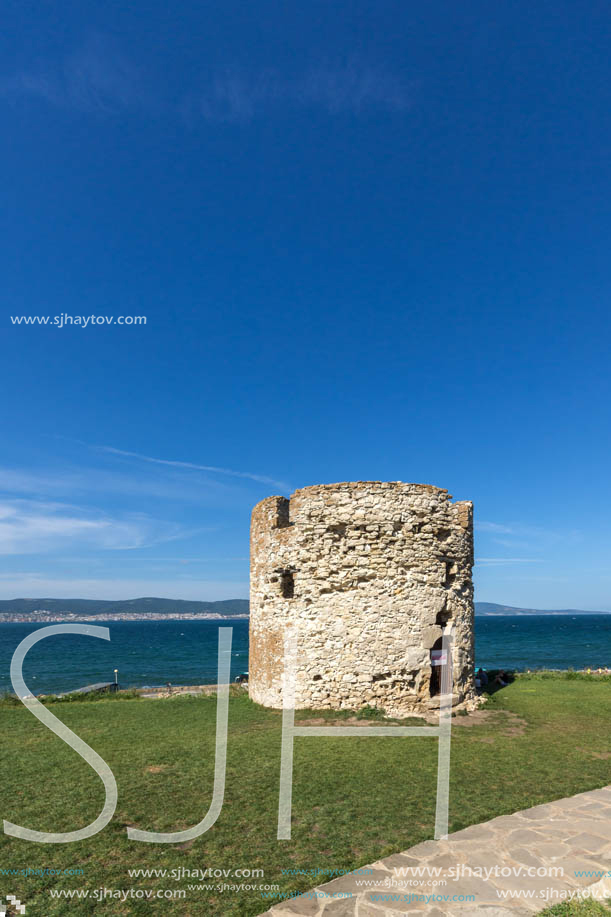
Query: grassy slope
[584,909]
[354,799]
[85,607]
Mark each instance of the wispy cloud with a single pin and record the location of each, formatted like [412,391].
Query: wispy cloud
[494,527]
[501,561]
[192,466]
[353,87]
[534,533]
[31,526]
[39,585]
[99,77]
[71,481]
[95,77]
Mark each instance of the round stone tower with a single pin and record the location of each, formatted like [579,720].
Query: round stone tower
[369,575]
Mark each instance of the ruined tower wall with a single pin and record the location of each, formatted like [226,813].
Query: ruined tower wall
[369,574]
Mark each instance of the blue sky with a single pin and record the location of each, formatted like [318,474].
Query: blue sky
[371,241]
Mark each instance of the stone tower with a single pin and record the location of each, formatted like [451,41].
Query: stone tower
[370,575]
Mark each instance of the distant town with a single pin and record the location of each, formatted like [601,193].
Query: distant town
[42,616]
[57,611]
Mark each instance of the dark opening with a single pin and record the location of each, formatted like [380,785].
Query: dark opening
[443,617]
[282,515]
[435,683]
[287,584]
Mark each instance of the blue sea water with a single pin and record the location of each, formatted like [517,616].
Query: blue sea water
[145,653]
[543,641]
[185,652]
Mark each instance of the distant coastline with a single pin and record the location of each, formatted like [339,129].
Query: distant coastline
[492,609]
[144,618]
[58,611]
[57,618]
[571,613]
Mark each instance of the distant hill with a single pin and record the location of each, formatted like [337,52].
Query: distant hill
[491,608]
[226,608]
[142,606]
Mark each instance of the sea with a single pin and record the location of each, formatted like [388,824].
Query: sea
[153,653]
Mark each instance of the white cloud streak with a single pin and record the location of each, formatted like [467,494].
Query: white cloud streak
[31,585]
[96,77]
[191,466]
[99,77]
[71,481]
[353,87]
[32,527]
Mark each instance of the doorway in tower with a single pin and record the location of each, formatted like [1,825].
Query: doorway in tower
[438,663]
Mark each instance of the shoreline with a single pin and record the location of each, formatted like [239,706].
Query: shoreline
[175,689]
[144,617]
[120,616]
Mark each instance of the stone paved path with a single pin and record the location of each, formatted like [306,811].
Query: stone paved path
[573,834]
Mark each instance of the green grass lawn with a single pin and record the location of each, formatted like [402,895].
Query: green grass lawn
[584,909]
[354,799]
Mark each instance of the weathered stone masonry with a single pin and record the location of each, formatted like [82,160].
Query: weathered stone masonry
[370,574]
